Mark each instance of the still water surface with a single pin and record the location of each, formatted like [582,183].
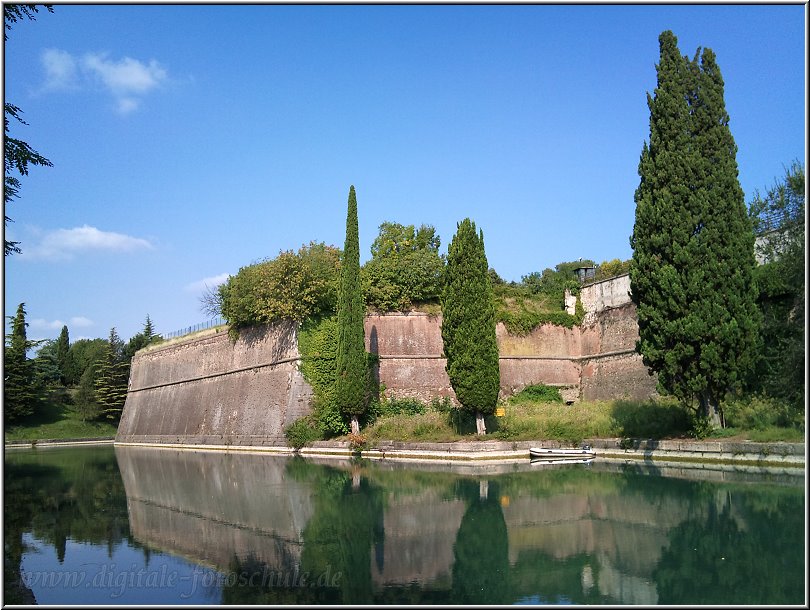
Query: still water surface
[130,525]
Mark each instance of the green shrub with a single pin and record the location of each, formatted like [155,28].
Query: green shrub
[302,432]
[441,404]
[292,286]
[537,393]
[404,406]
[523,321]
[656,419]
[760,413]
[317,344]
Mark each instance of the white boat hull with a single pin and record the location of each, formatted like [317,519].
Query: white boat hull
[561,454]
[541,462]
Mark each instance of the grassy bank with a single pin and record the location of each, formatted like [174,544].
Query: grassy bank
[527,418]
[58,422]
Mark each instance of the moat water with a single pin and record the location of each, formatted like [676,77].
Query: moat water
[128,525]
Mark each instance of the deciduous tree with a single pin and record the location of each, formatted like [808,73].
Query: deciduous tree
[405,267]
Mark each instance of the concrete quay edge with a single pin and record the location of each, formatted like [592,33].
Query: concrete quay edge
[791,455]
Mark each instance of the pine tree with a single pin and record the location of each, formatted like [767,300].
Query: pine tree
[111,378]
[692,242]
[62,349]
[19,388]
[468,324]
[86,400]
[146,337]
[352,377]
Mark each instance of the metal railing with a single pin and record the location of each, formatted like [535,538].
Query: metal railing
[194,328]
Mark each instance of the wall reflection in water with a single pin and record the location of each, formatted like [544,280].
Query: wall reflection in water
[294,530]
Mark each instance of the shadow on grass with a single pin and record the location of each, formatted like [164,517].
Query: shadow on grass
[650,419]
[49,412]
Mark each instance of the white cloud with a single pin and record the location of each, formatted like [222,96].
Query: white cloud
[126,79]
[61,70]
[63,244]
[207,282]
[127,76]
[41,324]
[127,105]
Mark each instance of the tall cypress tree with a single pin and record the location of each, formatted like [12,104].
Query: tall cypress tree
[351,381]
[19,392]
[468,324]
[692,243]
[62,349]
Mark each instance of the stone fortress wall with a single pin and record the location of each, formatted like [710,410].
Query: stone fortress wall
[209,390]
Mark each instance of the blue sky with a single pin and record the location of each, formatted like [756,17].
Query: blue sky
[188,141]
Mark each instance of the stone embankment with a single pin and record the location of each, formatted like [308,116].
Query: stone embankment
[736,453]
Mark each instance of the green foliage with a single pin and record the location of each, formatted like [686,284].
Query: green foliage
[47,374]
[82,353]
[62,349]
[441,404]
[352,372]
[779,220]
[612,268]
[405,268]
[112,375]
[404,406]
[317,344]
[140,340]
[522,321]
[537,393]
[693,247]
[761,413]
[481,569]
[303,431]
[539,299]
[554,282]
[468,322]
[20,391]
[87,406]
[17,155]
[654,419]
[292,286]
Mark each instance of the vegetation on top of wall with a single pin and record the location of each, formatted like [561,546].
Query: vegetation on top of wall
[405,268]
[612,268]
[520,316]
[292,286]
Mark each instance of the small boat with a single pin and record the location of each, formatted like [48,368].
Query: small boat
[542,462]
[558,453]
